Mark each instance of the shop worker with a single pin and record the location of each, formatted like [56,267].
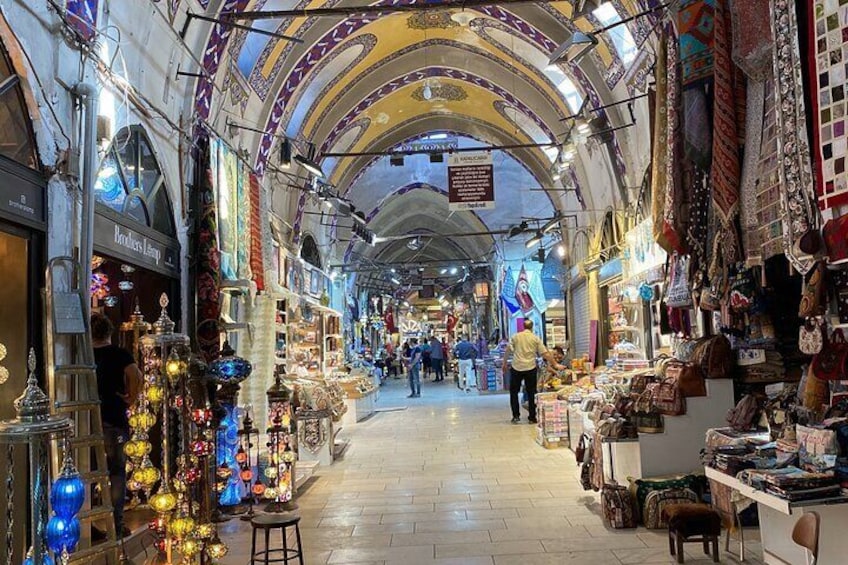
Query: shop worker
[466,353]
[525,347]
[414,361]
[118,382]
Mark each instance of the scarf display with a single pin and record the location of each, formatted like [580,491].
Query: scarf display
[829,27]
[208,257]
[794,168]
[674,200]
[257,266]
[695,22]
[724,172]
[660,145]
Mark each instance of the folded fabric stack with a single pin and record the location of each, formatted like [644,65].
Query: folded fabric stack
[792,483]
[772,370]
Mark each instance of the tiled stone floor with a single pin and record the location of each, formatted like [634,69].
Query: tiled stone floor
[450,481]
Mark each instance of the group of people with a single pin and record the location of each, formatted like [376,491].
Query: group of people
[433,355]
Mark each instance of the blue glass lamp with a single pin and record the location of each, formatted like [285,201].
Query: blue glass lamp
[229,368]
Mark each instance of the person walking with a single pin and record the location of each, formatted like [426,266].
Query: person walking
[446,351]
[437,358]
[119,381]
[414,362]
[426,359]
[525,347]
[466,353]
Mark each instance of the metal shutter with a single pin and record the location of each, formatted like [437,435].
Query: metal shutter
[580,320]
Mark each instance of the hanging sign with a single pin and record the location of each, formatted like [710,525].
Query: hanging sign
[135,244]
[471,181]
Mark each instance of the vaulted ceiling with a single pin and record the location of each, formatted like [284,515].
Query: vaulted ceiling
[356,85]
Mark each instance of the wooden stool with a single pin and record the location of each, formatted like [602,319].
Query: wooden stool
[692,523]
[268,522]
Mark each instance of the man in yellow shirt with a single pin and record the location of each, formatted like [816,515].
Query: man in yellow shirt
[525,347]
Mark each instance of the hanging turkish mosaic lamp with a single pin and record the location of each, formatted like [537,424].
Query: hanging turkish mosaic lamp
[229,368]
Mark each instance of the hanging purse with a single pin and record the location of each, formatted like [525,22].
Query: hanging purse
[839,281]
[831,362]
[679,294]
[814,295]
[836,239]
[810,337]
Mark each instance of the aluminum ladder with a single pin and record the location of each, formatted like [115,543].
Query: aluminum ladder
[73,390]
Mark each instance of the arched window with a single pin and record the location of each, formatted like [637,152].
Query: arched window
[580,247]
[131,182]
[309,251]
[18,143]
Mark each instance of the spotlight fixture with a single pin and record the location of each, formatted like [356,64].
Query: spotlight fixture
[443,271]
[427,92]
[310,166]
[516,230]
[358,217]
[535,240]
[551,224]
[453,270]
[574,48]
[395,281]
[414,244]
[556,175]
[285,154]
[560,249]
[396,160]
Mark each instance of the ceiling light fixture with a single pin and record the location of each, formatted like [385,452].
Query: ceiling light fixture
[560,249]
[394,280]
[535,240]
[427,92]
[453,270]
[580,43]
[551,224]
[310,165]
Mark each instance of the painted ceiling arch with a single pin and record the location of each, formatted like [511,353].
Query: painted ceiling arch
[531,160]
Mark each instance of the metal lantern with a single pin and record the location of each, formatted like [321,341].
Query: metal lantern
[280,471]
[246,455]
[35,427]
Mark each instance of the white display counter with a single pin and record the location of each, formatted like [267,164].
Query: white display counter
[778,517]
[360,408]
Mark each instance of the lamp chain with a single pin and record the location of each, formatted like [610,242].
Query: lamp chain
[10,502]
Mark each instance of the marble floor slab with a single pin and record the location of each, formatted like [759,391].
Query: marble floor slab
[449,481]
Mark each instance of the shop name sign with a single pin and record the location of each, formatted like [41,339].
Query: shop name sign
[133,245]
[22,200]
[470,181]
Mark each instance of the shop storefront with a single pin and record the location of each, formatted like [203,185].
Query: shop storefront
[137,256]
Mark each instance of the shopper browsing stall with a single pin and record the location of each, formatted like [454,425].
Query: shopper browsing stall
[525,347]
[466,353]
[119,381]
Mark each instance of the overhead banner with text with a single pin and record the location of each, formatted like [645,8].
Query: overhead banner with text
[470,181]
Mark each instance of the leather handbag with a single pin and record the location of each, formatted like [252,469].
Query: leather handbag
[668,399]
[814,295]
[836,238]
[689,378]
[810,337]
[715,357]
[831,363]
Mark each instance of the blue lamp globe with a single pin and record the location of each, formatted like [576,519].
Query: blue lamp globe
[45,559]
[62,534]
[68,492]
[229,368]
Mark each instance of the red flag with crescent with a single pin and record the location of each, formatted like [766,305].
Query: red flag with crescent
[450,322]
[389,320]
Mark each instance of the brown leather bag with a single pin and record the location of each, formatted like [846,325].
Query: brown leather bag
[690,380]
[668,399]
[814,295]
[715,357]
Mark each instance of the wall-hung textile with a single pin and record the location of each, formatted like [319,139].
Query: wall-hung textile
[767,204]
[227,197]
[695,21]
[752,37]
[660,146]
[829,34]
[794,167]
[208,258]
[257,266]
[241,206]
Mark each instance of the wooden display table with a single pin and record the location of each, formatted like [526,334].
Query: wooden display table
[778,517]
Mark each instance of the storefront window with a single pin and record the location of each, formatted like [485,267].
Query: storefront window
[14,120]
[131,182]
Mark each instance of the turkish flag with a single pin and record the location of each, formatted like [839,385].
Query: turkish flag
[522,291]
[389,320]
[450,322]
